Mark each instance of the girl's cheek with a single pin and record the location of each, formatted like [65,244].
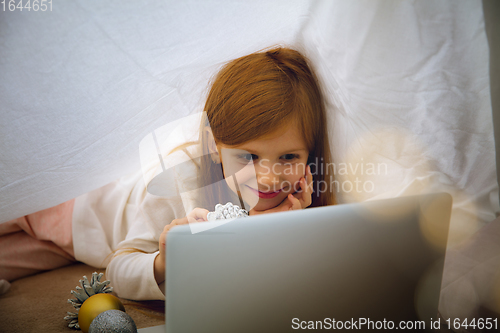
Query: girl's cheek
[247,176]
[230,183]
[295,186]
[292,178]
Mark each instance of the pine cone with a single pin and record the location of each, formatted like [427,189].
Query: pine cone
[87,289]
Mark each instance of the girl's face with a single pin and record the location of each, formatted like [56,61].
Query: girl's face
[267,169]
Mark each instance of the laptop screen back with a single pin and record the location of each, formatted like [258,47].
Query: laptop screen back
[378,260]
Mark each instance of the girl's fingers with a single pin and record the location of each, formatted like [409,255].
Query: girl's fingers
[308,195]
[198,214]
[305,194]
[175,222]
[296,204]
[309,179]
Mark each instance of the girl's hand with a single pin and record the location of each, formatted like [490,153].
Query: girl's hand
[197,215]
[298,200]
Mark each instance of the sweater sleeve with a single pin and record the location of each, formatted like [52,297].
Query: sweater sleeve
[118,227]
[131,269]
[132,275]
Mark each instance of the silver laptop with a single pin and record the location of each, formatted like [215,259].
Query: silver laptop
[353,267]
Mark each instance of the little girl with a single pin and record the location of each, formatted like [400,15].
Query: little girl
[264,109]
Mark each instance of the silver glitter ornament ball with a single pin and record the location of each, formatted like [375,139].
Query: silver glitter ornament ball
[227,211]
[113,321]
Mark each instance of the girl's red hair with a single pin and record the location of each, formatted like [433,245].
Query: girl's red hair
[255,95]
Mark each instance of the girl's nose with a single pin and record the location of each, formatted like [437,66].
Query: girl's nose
[267,178]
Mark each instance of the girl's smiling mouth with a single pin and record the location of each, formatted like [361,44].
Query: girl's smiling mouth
[265,195]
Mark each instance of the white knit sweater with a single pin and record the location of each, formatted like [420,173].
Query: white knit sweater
[124,215]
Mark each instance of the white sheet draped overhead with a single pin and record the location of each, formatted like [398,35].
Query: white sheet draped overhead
[407,85]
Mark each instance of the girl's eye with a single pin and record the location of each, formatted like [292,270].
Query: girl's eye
[289,157]
[248,157]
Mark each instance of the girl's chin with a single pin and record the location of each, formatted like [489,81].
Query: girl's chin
[265,204]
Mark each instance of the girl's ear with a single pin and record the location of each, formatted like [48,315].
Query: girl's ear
[211,145]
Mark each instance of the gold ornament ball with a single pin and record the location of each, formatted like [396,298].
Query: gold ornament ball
[94,305]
